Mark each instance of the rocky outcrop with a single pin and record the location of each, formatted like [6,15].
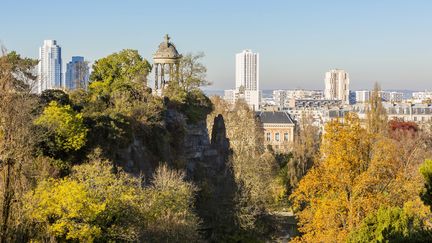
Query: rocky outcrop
[206,162]
[187,146]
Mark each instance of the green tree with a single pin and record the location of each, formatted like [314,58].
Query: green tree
[376,114]
[392,224]
[125,71]
[426,171]
[23,78]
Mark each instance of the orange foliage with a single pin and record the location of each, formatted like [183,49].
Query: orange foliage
[357,174]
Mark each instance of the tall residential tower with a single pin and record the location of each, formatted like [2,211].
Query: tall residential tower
[77,73]
[247,80]
[337,85]
[50,66]
[247,70]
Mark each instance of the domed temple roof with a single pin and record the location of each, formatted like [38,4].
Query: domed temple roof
[166,50]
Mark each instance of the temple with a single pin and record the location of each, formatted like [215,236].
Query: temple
[166,64]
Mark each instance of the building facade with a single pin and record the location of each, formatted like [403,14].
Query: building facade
[362,96]
[278,128]
[50,66]
[77,74]
[283,98]
[246,80]
[422,96]
[337,85]
[419,113]
[247,70]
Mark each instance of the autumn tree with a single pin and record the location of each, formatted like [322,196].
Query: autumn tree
[192,73]
[16,137]
[356,175]
[95,204]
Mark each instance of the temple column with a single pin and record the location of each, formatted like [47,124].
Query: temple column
[177,71]
[162,75]
[156,76]
[171,72]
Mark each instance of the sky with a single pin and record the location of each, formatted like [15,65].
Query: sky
[384,41]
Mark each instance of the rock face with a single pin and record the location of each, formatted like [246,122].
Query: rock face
[188,146]
[199,151]
[206,164]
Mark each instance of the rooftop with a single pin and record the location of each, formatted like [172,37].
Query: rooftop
[166,50]
[274,117]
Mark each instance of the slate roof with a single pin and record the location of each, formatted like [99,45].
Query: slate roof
[274,117]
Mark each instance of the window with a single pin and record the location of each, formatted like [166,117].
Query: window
[286,138]
[268,136]
[277,138]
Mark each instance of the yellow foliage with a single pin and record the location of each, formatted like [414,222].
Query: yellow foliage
[70,132]
[66,208]
[357,174]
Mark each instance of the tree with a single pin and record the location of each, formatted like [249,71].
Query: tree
[254,169]
[426,171]
[23,76]
[65,209]
[393,224]
[16,137]
[66,126]
[305,150]
[376,114]
[96,204]
[171,217]
[401,130]
[125,71]
[192,73]
[358,172]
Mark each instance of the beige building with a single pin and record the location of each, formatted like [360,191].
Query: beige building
[278,129]
[337,85]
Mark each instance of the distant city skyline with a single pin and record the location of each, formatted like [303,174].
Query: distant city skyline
[386,41]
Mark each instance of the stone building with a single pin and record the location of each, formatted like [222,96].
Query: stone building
[278,129]
[166,64]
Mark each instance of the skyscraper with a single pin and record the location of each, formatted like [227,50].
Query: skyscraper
[247,70]
[247,80]
[337,85]
[77,73]
[50,66]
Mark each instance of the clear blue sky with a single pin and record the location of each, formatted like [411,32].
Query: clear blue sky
[389,41]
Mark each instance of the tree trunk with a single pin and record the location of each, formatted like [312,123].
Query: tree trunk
[7,201]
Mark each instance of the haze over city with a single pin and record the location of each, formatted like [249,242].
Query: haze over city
[298,41]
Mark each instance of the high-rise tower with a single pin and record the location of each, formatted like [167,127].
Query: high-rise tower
[50,66]
[247,70]
[246,80]
[77,73]
[337,85]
